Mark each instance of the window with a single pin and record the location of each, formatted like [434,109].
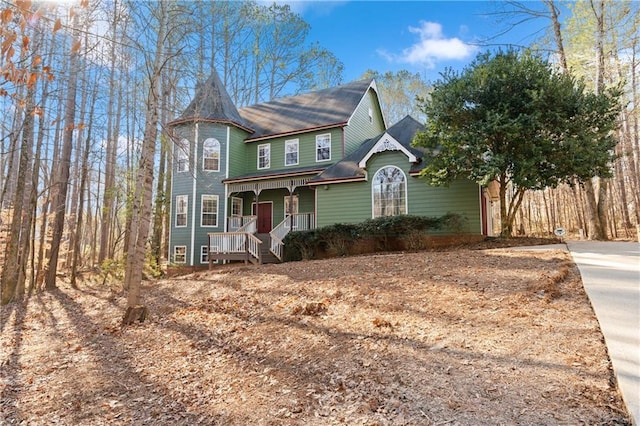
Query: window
[182,156]
[181,210]
[264,156]
[370,115]
[204,253]
[180,254]
[211,155]
[291,152]
[389,189]
[289,209]
[323,147]
[209,210]
[236,206]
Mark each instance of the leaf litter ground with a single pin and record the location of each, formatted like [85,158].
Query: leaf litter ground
[461,337]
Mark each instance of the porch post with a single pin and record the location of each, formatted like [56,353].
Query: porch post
[256,191]
[291,189]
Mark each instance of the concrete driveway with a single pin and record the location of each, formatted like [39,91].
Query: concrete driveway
[611,277]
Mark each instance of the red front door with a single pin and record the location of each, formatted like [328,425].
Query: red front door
[264,217]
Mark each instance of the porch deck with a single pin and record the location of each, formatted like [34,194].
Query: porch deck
[245,244]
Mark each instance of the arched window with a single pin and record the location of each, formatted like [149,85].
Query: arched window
[182,156]
[389,192]
[211,155]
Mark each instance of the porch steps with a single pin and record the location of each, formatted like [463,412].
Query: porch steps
[267,256]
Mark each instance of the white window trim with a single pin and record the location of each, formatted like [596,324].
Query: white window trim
[268,147]
[182,149]
[406,190]
[205,158]
[295,142]
[317,140]
[202,212]
[186,211]
[241,205]
[296,204]
[175,250]
[202,248]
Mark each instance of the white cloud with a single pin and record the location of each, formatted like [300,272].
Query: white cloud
[432,47]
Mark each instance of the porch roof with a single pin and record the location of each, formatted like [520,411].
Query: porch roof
[276,179]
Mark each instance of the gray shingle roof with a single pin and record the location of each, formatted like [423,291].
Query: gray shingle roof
[348,169]
[315,110]
[212,103]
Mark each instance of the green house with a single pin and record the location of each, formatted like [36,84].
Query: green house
[244,178]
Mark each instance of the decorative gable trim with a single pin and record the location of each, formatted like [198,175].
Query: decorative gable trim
[384,144]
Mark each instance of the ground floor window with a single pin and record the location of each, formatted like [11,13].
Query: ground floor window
[204,254]
[209,209]
[389,192]
[180,254]
[181,210]
[236,206]
[291,207]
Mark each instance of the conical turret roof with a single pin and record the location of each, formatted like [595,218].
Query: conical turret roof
[212,103]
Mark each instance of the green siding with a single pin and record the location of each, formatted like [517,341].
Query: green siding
[360,128]
[305,202]
[351,202]
[306,151]
[238,151]
[206,183]
[343,203]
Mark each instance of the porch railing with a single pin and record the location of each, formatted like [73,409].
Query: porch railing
[293,222]
[236,222]
[234,246]
[250,225]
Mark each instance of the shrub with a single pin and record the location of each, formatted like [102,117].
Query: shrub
[379,234]
[337,239]
[301,245]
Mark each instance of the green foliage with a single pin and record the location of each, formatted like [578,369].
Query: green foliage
[512,114]
[301,245]
[339,239]
[513,118]
[112,271]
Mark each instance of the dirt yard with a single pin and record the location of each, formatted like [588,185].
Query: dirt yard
[462,337]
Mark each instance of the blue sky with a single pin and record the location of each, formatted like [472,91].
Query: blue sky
[420,36]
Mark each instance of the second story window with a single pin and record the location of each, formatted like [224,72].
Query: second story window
[264,156]
[182,156]
[211,155]
[323,147]
[291,152]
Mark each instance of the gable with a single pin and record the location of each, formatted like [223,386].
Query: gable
[387,143]
[397,138]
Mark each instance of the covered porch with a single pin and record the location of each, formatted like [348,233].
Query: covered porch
[261,213]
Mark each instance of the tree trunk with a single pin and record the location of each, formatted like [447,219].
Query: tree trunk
[13,272]
[142,200]
[111,150]
[77,248]
[62,175]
